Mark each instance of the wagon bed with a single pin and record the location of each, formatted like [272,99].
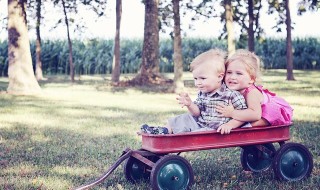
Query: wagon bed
[212,139]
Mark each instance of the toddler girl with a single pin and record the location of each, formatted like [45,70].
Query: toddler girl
[264,107]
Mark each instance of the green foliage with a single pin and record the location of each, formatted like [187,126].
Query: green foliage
[3,58]
[305,53]
[95,56]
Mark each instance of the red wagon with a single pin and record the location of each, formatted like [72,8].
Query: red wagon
[159,160]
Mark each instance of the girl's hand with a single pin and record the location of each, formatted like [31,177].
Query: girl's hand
[184,99]
[225,110]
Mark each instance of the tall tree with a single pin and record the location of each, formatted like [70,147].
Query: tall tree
[68,6]
[71,6]
[177,50]
[282,8]
[64,6]
[39,74]
[289,43]
[20,71]
[250,28]
[229,27]
[248,20]
[244,13]
[116,53]
[35,8]
[149,69]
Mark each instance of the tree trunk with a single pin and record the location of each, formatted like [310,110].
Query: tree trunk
[116,53]
[39,74]
[69,42]
[229,27]
[149,69]
[250,29]
[20,71]
[178,84]
[289,43]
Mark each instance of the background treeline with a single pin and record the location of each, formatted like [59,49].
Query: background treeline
[95,56]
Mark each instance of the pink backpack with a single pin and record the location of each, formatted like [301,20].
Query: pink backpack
[275,110]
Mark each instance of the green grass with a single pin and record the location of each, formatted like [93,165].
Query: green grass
[71,134]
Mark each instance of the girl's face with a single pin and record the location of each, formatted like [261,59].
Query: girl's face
[237,76]
[206,78]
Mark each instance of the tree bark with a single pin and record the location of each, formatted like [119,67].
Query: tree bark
[39,74]
[229,27]
[149,69]
[116,53]
[21,75]
[69,42]
[250,28]
[289,43]
[177,51]
[150,54]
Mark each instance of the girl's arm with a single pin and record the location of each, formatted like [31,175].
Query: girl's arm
[252,113]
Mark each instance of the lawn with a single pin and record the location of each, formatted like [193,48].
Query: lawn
[72,133]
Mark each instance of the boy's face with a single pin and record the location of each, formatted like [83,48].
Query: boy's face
[237,76]
[206,78]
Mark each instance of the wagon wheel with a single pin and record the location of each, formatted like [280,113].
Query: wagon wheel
[135,170]
[171,172]
[255,160]
[292,162]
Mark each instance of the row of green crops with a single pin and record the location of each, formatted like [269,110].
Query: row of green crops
[95,56]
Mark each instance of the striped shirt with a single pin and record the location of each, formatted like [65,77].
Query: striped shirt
[206,102]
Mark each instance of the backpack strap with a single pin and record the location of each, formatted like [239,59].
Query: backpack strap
[260,88]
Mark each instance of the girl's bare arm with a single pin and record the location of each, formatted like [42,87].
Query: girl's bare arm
[252,113]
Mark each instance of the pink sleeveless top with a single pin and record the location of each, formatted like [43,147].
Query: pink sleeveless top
[274,109]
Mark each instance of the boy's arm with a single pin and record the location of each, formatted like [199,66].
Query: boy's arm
[227,127]
[194,109]
[185,100]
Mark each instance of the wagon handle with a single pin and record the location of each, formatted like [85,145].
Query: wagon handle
[126,153]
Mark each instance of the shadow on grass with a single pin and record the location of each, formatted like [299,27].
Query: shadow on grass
[48,157]
[55,158]
[38,151]
[103,84]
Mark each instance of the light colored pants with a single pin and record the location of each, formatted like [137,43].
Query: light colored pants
[185,123]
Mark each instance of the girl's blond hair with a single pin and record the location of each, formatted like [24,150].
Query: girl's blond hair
[216,57]
[249,59]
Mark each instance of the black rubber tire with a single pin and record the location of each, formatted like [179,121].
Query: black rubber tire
[253,159]
[171,172]
[292,162]
[135,170]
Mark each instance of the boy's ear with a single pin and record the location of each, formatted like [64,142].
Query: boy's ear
[221,75]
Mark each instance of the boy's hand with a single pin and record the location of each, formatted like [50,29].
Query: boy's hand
[225,128]
[184,99]
[225,110]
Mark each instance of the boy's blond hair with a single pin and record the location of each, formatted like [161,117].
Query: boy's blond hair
[249,59]
[216,57]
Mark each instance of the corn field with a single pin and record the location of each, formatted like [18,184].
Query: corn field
[95,56]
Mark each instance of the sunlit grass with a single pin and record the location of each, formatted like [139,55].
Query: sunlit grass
[72,133]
